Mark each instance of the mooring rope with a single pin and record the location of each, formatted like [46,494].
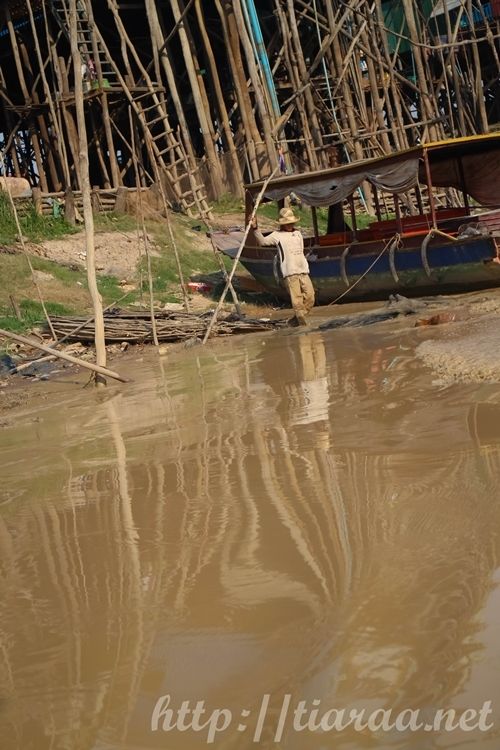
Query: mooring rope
[393,242]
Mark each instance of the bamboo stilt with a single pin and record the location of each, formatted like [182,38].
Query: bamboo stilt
[346,77]
[100,343]
[144,233]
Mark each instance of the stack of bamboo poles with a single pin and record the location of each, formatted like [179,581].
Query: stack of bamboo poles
[135,326]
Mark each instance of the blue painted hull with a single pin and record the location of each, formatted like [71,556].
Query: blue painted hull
[454,266]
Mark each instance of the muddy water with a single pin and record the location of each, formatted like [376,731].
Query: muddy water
[303,516]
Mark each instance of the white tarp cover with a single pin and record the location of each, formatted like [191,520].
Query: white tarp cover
[394,178]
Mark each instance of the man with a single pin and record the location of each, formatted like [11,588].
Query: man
[293,263]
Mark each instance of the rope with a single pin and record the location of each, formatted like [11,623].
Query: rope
[396,238]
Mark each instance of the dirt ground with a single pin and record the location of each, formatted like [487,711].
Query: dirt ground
[117,253]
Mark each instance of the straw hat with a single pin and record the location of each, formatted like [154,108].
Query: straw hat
[287,217]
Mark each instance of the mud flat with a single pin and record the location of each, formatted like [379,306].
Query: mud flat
[469,352]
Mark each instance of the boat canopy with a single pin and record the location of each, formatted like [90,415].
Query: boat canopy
[469,164]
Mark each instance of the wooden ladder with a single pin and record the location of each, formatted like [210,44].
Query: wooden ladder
[147,101]
[150,108]
[89,47]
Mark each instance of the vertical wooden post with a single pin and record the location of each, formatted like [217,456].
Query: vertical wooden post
[48,92]
[17,56]
[200,100]
[88,216]
[236,174]
[377,203]
[420,202]
[69,207]
[37,200]
[144,231]
[250,131]
[258,90]
[464,185]
[462,129]
[113,162]
[354,218]
[397,209]
[428,176]
[427,108]
[315,223]
[248,206]
[476,73]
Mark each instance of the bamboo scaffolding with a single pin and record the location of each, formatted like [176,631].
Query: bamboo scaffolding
[344,73]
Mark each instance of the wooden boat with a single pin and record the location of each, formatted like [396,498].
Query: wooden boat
[439,250]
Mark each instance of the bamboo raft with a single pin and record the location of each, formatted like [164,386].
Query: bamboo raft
[135,326]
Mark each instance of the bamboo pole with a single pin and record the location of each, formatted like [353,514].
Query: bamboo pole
[237,176]
[295,40]
[476,73]
[267,125]
[156,154]
[230,277]
[24,249]
[422,75]
[144,232]
[48,94]
[98,369]
[249,126]
[106,119]
[200,99]
[159,43]
[100,343]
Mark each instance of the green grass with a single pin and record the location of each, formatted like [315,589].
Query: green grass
[228,204]
[193,261]
[15,275]
[110,289]
[303,213]
[231,204]
[32,315]
[34,227]
[115,223]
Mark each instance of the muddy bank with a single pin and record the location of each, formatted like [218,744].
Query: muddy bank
[456,337]
[468,354]
[117,253]
[466,347]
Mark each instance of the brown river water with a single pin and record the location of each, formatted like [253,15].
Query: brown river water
[300,516]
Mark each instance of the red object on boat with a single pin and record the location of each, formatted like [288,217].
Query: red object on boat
[200,286]
[495,8]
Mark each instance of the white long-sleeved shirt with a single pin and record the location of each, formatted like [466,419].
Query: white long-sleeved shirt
[290,248]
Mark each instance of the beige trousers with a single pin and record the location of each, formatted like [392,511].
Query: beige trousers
[301,293]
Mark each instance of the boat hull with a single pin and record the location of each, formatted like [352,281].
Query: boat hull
[451,267]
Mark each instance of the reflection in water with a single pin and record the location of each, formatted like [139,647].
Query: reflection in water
[303,514]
